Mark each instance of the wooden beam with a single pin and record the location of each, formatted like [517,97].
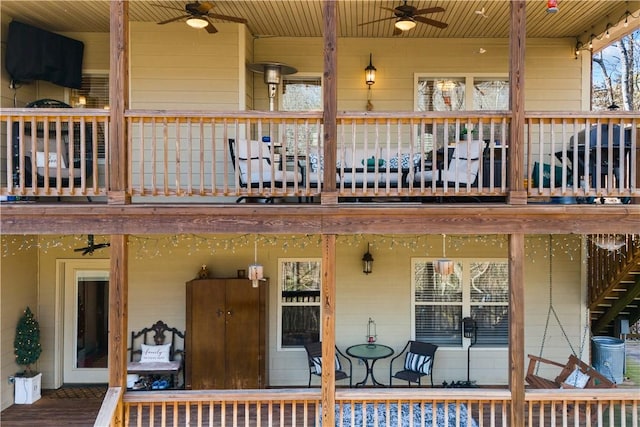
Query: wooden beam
[516,328]
[376,218]
[118,102]
[118,313]
[328,296]
[330,92]
[517,41]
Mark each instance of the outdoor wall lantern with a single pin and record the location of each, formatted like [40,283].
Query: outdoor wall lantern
[444,266]
[552,6]
[370,79]
[367,262]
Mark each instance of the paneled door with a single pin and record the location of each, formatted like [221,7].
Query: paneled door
[86,312]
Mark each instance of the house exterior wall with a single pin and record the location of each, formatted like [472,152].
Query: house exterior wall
[158,271]
[18,290]
[176,68]
[554,79]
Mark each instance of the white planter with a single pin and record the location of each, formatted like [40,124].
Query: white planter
[27,390]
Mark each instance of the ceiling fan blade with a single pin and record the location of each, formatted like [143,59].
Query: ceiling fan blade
[80,249]
[433,22]
[227,18]
[429,10]
[101,246]
[377,20]
[210,28]
[173,19]
[389,9]
[87,251]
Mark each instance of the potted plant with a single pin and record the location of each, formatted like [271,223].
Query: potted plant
[27,350]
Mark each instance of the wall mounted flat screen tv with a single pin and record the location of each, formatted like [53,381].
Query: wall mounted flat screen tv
[36,54]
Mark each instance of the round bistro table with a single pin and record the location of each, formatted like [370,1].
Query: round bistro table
[369,354]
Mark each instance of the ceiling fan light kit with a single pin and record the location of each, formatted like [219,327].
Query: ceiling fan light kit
[407,17]
[196,22]
[198,16]
[405,23]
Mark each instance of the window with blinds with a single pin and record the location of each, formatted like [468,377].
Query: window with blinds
[93,93]
[299,302]
[476,289]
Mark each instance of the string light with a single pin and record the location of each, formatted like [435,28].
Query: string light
[624,20]
[428,245]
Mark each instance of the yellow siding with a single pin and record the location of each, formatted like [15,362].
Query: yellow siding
[19,289]
[157,291]
[179,68]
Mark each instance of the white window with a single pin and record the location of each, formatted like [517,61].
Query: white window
[298,302]
[477,288]
[301,93]
[450,93]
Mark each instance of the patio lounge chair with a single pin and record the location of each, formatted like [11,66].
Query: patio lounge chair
[253,162]
[463,167]
[314,357]
[48,158]
[418,362]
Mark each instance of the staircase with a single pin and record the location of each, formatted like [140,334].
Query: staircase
[614,280]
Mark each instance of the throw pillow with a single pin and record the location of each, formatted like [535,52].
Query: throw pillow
[155,353]
[577,379]
[317,365]
[417,363]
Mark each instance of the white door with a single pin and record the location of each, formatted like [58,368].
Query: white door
[86,312]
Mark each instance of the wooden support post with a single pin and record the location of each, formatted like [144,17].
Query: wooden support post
[517,36]
[330,92]
[118,176]
[328,329]
[118,314]
[516,328]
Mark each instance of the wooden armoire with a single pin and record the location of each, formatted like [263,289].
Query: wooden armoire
[225,342]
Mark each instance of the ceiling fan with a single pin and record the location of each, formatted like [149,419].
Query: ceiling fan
[199,14]
[91,246]
[407,16]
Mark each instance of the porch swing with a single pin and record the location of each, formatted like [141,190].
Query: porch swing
[574,373]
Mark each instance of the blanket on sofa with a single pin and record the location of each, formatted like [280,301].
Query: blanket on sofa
[371,413]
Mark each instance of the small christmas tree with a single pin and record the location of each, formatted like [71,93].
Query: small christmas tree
[27,341]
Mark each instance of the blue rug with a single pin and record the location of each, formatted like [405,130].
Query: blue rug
[371,409]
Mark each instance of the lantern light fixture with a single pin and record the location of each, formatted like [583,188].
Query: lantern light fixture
[367,261]
[370,72]
[444,266]
[552,6]
[255,271]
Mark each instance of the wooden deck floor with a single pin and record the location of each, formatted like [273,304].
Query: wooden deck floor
[67,406]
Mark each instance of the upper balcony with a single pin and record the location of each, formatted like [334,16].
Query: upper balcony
[429,157]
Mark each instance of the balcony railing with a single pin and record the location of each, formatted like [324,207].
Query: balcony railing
[412,156]
[381,407]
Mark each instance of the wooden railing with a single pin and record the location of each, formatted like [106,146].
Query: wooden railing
[382,407]
[54,152]
[610,256]
[426,155]
[109,411]
[586,155]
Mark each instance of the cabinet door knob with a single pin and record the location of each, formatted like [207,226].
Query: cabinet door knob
[230,313]
[220,312]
